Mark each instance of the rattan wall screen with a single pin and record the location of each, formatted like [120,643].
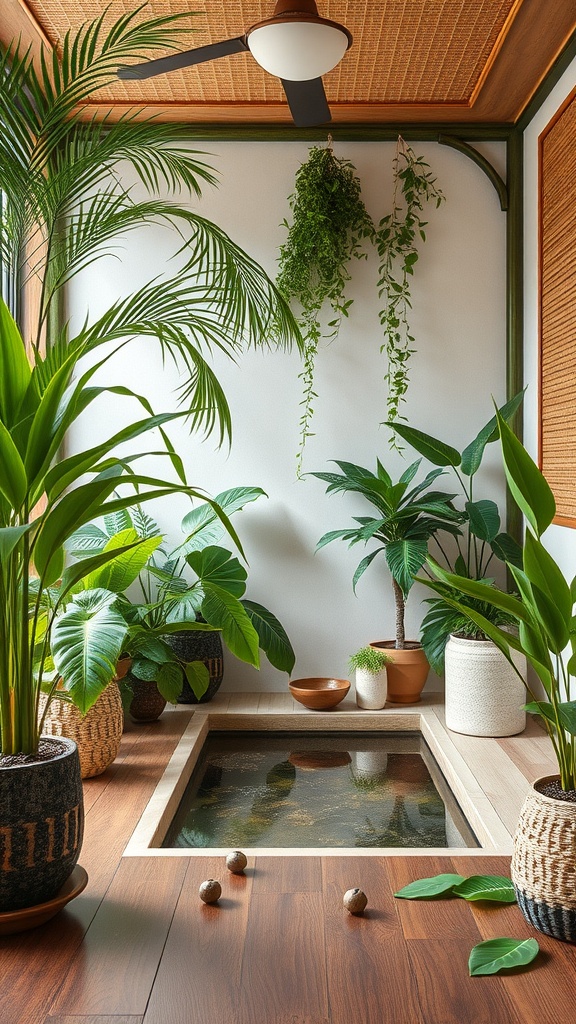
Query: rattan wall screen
[558,309]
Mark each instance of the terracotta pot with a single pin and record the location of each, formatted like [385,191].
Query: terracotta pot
[543,860]
[408,672]
[41,823]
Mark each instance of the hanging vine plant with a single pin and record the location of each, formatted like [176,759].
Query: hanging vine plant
[329,226]
[397,239]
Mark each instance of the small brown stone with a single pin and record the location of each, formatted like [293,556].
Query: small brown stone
[210,891]
[236,862]
[355,901]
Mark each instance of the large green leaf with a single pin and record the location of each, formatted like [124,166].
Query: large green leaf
[272,636]
[86,643]
[429,888]
[169,681]
[496,955]
[122,571]
[10,537]
[529,487]
[436,451]
[405,558]
[507,549]
[472,454]
[543,572]
[217,565]
[484,519]
[223,610]
[13,479]
[44,428]
[565,713]
[15,369]
[198,677]
[497,888]
[202,524]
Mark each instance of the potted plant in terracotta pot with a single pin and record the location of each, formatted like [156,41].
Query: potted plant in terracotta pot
[407,516]
[483,694]
[545,839]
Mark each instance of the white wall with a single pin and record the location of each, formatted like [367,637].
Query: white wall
[459,324]
[560,540]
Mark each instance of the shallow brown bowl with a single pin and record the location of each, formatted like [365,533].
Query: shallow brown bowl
[319,693]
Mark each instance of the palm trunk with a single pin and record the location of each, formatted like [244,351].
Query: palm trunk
[400,605]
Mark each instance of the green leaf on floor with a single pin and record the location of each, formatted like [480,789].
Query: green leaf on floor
[501,954]
[486,887]
[428,888]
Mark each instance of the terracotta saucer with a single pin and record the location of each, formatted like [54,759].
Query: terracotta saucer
[12,921]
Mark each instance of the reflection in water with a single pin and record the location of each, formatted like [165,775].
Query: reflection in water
[274,790]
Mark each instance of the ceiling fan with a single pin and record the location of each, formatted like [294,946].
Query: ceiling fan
[295,45]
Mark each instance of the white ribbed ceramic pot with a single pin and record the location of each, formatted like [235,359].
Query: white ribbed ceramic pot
[371,689]
[484,696]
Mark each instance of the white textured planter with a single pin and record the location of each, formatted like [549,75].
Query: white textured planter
[484,696]
[371,689]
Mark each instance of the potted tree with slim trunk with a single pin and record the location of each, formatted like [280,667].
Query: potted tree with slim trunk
[545,839]
[407,517]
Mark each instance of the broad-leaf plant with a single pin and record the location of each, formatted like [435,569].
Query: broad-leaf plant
[543,609]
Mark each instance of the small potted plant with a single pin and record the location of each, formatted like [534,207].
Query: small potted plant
[369,665]
[407,516]
[545,839]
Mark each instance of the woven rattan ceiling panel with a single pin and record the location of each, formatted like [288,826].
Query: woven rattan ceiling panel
[404,51]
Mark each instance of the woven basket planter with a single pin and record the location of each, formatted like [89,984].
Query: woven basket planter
[544,863]
[96,734]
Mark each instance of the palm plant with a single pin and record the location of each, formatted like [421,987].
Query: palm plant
[66,208]
[406,521]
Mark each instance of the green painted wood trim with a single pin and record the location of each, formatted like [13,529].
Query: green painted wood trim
[344,132]
[515,298]
[481,161]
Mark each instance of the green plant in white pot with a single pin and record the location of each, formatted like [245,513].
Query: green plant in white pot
[483,695]
[407,517]
[369,664]
[545,840]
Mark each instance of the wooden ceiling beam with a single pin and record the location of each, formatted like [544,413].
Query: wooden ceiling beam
[17,22]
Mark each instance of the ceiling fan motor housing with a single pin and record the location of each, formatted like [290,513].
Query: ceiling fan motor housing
[296,44]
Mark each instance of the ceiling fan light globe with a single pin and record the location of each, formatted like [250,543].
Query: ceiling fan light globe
[298,51]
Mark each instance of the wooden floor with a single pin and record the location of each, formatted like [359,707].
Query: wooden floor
[138,947]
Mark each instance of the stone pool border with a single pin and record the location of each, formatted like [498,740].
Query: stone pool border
[474,800]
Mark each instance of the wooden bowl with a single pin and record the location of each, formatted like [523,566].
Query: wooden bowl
[320,693]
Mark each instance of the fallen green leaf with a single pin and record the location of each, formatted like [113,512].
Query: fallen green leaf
[428,888]
[486,887]
[496,955]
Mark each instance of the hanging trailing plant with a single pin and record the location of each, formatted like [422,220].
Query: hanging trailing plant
[397,239]
[329,225]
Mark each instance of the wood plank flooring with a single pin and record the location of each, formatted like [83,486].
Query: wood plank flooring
[138,947]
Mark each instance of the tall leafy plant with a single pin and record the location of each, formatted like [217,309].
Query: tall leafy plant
[66,207]
[482,542]
[543,611]
[329,225]
[407,517]
[43,499]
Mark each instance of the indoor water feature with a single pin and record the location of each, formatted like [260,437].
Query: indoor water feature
[310,790]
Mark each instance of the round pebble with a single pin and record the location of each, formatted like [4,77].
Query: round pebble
[236,862]
[355,901]
[210,891]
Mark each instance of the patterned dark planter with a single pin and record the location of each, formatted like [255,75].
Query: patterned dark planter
[41,825]
[194,645]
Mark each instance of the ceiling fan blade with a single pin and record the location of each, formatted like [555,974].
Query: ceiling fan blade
[174,61]
[307,102]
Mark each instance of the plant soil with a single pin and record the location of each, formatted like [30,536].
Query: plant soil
[554,790]
[47,751]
